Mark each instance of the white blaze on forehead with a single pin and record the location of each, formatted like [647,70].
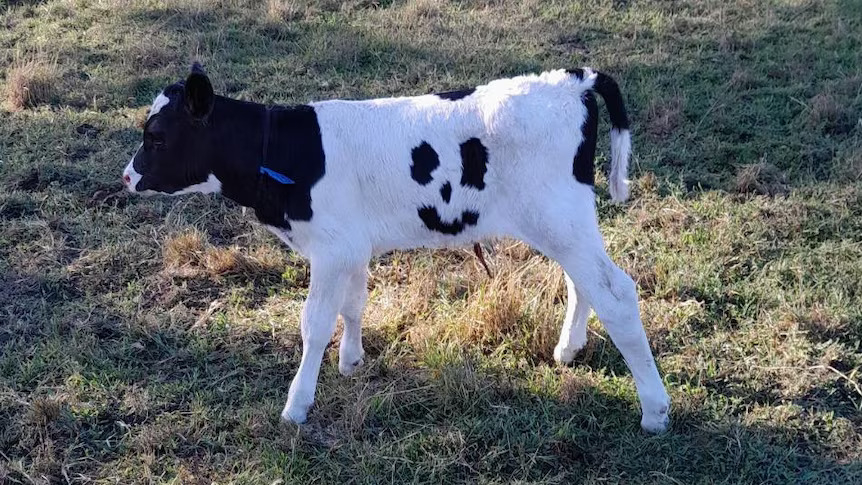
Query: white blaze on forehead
[160,102]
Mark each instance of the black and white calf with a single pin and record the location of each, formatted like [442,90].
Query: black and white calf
[340,181]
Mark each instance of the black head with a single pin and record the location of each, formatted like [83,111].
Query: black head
[177,152]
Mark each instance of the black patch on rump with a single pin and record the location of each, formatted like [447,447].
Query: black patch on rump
[446,192]
[295,150]
[456,95]
[474,163]
[584,164]
[425,161]
[432,220]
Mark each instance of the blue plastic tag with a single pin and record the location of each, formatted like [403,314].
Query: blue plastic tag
[282,179]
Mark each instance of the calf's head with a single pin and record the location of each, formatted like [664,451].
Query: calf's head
[178,147]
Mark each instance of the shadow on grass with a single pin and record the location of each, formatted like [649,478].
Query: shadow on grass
[212,396]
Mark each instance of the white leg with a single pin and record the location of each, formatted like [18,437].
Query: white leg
[325,297]
[573,336]
[350,351]
[613,295]
[575,242]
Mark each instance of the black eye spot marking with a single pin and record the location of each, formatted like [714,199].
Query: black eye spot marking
[425,161]
[446,192]
[474,163]
[584,166]
[432,220]
[456,95]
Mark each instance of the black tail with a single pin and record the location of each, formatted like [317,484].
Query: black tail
[610,92]
[620,134]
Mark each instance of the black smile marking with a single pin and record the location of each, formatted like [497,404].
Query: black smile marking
[432,220]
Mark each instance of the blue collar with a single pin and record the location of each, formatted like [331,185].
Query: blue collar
[278,177]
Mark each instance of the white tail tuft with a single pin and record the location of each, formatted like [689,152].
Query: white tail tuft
[621,147]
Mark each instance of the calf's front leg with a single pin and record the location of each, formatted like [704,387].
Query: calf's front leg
[329,284]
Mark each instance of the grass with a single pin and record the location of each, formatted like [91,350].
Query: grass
[153,340]
[30,83]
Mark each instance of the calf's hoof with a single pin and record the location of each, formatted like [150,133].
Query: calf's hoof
[348,367]
[565,355]
[656,422]
[295,413]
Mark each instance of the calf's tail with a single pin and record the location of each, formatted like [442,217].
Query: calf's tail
[621,140]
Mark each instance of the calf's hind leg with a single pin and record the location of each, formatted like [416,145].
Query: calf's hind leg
[573,335]
[577,245]
[613,296]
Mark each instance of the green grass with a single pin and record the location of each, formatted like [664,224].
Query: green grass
[153,340]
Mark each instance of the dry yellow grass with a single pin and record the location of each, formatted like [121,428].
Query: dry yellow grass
[517,305]
[190,255]
[295,10]
[521,306]
[44,410]
[419,10]
[285,10]
[30,83]
[761,178]
[183,250]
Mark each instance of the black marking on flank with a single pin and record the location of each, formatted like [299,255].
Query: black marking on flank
[446,192]
[584,165]
[456,95]
[432,220]
[425,161]
[474,163]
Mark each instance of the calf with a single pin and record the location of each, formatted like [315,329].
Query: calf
[340,181]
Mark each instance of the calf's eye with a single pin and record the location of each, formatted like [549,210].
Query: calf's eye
[156,140]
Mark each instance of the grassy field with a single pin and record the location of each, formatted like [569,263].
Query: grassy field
[153,340]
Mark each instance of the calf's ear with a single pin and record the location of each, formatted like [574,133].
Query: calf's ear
[199,93]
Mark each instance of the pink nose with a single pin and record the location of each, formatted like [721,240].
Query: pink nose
[127,180]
